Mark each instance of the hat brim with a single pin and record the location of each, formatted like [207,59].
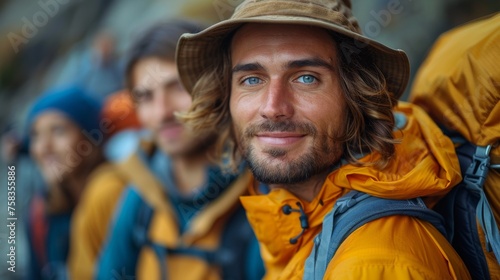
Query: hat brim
[197,53]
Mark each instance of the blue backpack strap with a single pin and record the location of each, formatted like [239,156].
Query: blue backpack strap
[466,205]
[236,255]
[474,179]
[125,238]
[232,255]
[352,211]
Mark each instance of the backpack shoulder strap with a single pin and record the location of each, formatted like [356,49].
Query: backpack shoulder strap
[474,178]
[125,238]
[466,205]
[352,211]
[233,252]
[139,175]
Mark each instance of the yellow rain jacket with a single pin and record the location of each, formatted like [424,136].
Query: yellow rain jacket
[204,231]
[395,247]
[459,86]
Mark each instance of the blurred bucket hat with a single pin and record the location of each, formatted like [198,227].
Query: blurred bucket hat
[197,53]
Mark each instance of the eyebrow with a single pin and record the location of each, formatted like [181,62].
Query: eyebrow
[247,67]
[172,81]
[314,62]
[168,82]
[139,92]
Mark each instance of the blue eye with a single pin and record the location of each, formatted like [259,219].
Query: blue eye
[306,79]
[252,81]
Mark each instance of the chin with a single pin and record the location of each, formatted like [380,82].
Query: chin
[184,147]
[53,178]
[172,149]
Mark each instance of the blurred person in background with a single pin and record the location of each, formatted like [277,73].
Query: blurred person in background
[100,71]
[180,217]
[65,138]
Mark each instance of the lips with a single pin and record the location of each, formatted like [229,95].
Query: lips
[49,159]
[171,131]
[51,165]
[279,138]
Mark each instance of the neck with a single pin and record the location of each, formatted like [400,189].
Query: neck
[63,196]
[306,190]
[189,172]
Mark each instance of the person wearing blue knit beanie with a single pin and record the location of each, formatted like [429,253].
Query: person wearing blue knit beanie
[73,102]
[65,138]
[65,134]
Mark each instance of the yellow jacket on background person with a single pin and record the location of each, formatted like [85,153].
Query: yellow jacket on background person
[425,165]
[92,218]
[459,86]
[215,243]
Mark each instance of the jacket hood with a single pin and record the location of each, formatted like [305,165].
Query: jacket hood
[425,165]
[459,82]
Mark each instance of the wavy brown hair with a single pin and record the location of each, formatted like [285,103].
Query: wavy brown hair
[369,116]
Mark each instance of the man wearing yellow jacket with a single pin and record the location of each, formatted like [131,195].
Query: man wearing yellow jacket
[310,104]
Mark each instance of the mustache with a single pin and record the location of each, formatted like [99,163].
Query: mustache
[169,122]
[281,126]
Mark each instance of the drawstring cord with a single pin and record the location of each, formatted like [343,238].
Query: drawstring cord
[304,224]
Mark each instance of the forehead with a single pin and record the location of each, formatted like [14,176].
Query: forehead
[260,37]
[49,118]
[151,70]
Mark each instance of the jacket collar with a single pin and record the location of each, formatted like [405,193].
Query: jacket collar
[274,228]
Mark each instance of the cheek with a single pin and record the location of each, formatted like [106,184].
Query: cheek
[67,142]
[336,122]
[36,150]
[326,114]
[185,102]
[232,109]
[145,115]
[235,118]
[242,111]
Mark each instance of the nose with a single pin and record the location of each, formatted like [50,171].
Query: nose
[277,103]
[163,107]
[41,144]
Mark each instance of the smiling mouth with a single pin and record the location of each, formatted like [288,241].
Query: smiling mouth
[171,131]
[280,138]
[49,159]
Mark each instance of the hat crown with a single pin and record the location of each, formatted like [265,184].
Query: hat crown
[198,53]
[336,12]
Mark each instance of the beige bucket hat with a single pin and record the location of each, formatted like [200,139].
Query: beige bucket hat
[197,53]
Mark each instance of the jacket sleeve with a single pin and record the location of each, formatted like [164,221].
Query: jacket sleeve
[91,220]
